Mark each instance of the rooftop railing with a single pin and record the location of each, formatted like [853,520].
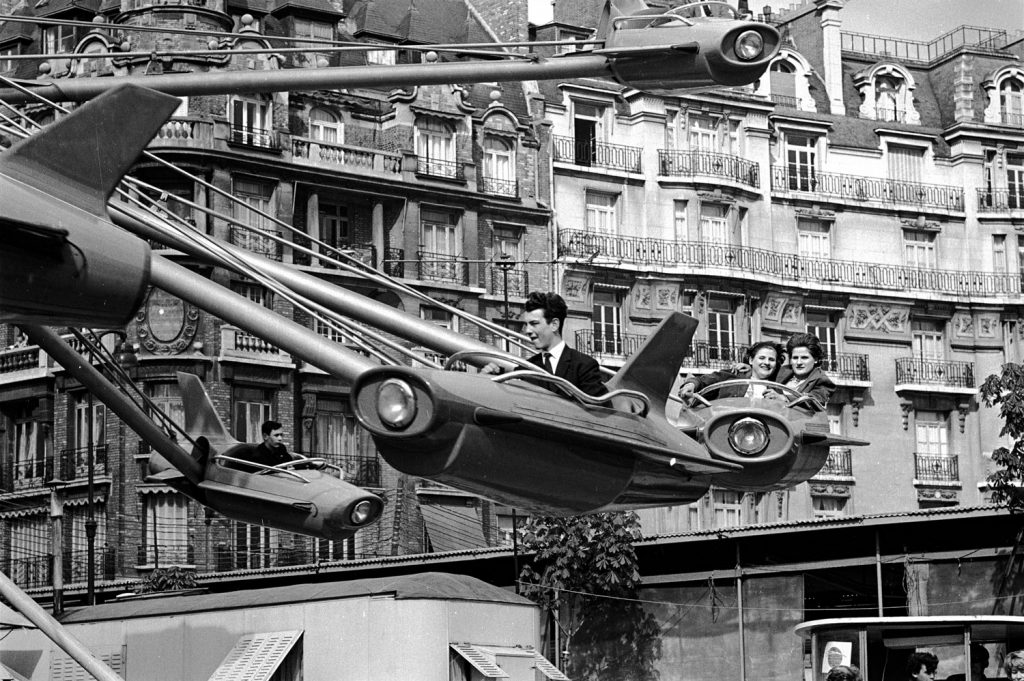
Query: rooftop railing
[909,50]
[857,188]
[781,267]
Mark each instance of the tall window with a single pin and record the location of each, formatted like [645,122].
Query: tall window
[255,546]
[7,64]
[926,336]
[333,219]
[999,264]
[782,82]
[721,329]
[325,126]
[253,195]
[728,508]
[165,529]
[887,97]
[83,415]
[318,31]
[600,213]
[28,552]
[607,323]
[801,162]
[714,224]
[58,39]
[252,407]
[77,561]
[250,121]
[166,397]
[679,219]
[1015,180]
[335,431]
[499,166]
[32,447]
[814,239]
[435,147]
[919,248]
[588,131]
[932,433]
[507,241]
[906,164]
[1011,102]
[823,326]
[703,134]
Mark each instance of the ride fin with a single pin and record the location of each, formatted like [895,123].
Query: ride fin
[83,156]
[831,439]
[201,420]
[653,368]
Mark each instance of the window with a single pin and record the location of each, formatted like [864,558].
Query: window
[887,98]
[333,219]
[32,447]
[814,239]
[1015,180]
[499,167]
[607,323]
[28,554]
[441,317]
[507,241]
[320,31]
[255,547]
[588,131]
[926,338]
[714,226]
[330,332]
[81,435]
[254,292]
[932,433]
[919,248]
[165,529]
[906,164]
[1011,102]
[166,397]
[58,39]
[441,245]
[334,549]
[823,326]
[703,134]
[77,557]
[7,64]
[253,195]
[728,508]
[325,126]
[721,330]
[335,431]
[601,215]
[250,121]
[679,219]
[801,162]
[251,409]
[999,264]
[381,57]
[435,147]
[782,82]
[829,507]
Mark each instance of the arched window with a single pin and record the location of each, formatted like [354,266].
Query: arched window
[499,166]
[1011,102]
[435,147]
[325,126]
[887,98]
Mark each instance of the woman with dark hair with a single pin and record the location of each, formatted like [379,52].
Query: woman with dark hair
[762,363]
[803,372]
[921,667]
[844,673]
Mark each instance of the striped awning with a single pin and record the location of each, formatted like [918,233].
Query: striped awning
[256,657]
[484,662]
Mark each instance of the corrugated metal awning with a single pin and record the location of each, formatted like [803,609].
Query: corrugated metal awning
[482,661]
[256,656]
[549,670]
[452,528]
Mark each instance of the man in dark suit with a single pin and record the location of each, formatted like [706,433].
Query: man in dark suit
[544,314]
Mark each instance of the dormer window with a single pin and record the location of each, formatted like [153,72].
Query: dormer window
[1011,103]
[887,94]
[324,126]
[787,84]
[887,91]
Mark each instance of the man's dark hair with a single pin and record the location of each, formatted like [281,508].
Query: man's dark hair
[918,660]
[552,304]
[805,340]
[269,427]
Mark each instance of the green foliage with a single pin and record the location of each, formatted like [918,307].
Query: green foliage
[1006,391]
[585,573]
[169,579]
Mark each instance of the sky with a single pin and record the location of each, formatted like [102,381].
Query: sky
[921,20]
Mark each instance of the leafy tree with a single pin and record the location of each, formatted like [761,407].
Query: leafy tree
[584,572]
[169,579]
[1006,391]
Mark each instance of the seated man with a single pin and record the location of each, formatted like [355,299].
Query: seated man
[270,452]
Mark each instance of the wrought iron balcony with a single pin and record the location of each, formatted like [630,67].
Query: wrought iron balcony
[838,464]
[518,281]
[710,356]
[362,470]
[1014,118]
[394,262]
[344,157]
[705,163]
[618,345]
[857,188]
[244,237]
[1000,200]
[601,154]
[888,113]
[255,137]
[788,101]
[848,365]
[441,267]
[448,170]
[498,187]
[785,269]
[913,370]
[936,468]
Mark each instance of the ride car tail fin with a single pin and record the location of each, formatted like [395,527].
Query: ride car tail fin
[201,420]
[653,368]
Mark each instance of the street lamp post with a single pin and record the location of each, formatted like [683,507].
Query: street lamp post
[506,263]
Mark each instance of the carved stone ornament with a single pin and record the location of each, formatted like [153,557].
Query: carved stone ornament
[575,289]
[878,318]
[642,297]
[167,325]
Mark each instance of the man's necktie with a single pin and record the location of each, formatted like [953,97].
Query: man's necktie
[546,360]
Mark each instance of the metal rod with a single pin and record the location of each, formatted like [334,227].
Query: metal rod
[53,630]
[241,82]
[878,574]
[739,615]
[57,547]
[90,513]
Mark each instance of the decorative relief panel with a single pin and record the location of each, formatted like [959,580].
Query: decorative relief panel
[666,297]
[978,328]
[781,309]
[878,320]
[166,324]
[642,297]
[576,290]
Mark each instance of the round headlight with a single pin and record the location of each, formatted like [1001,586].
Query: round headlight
[748,436]
[362,512]
[396,403]
[749,45]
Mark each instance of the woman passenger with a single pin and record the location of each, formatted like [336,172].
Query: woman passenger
[1014,664]
[922,666]
[803,373]
[762,363]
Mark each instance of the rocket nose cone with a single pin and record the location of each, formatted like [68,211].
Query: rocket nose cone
[357,514]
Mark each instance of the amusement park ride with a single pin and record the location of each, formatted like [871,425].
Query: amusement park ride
[524,438]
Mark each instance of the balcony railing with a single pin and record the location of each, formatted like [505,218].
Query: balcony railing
[692,163]
[345,157]
[788,101]
[449,170]
[857,188]
[440,267]
[618,345]
[885,113]
[1014,118]
[256,137]
[912,370]
[594,153]
[185,131]
[69,464]
[20,359]
[848,365]
[360,469]
[257,243]
[498,187]
[784,268]
[518,281]
[936,468]
[839,463]
[239,344]
[710,356]
[394,262]
[1000,200]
